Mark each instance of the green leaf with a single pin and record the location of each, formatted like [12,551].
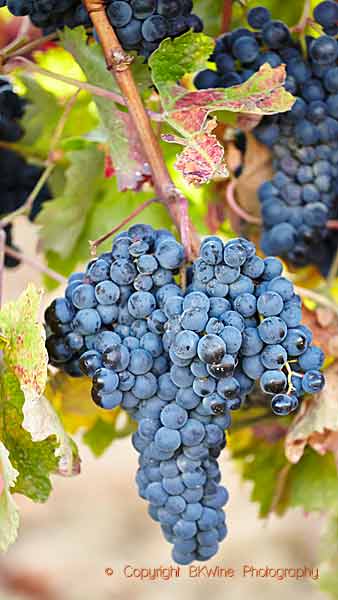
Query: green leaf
[210,11]
[102,434]
[72,399]
[313,482]
[108,208]
[262,463]
[124,147]
[175,58]
[26,357]
[34,461]
[63,218]
[9,516]
[42,114]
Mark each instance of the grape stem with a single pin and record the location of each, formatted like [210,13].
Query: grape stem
[118,62]
[304,19]
[238,210]
[2,261]
[226,16]
[50,165]
[35,265]
[23,46]
[94,244]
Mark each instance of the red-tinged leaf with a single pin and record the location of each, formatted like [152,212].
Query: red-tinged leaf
[202,158]
[142,172]
[116,130]
[109,170]
[262,94]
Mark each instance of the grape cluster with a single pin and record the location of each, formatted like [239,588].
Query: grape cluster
[300,199]
[256,329]
[117,301]
[140,24]
[17,176]
[179,360]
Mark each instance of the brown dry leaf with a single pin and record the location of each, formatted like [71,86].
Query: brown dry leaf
[247,122]
[257,168]
[324,326]
[233,156]
[317,422]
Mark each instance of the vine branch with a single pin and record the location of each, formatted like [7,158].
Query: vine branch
[106,236]
[226,16]
[96,90]
[238,210]
[31,262]
[118,62]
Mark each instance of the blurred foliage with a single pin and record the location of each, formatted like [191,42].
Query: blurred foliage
[72,400]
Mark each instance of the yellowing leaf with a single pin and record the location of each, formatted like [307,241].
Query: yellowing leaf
[34,461]
[72,399]
[25,352]
[26,357]
[9,516]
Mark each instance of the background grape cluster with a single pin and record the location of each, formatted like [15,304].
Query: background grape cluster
[140,24]
[18,177]
[300,199]
[178,360]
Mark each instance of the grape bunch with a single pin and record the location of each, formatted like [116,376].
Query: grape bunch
[256,328]
[139,24]
[299,200]
[179,360]
[117,301]
[17,176]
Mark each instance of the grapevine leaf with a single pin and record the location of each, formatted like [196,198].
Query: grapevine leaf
[24,350]
[108,208]
[313,482]
[34,461]
[277,484]
[9,516]
[187,111]
[263,93]
[317,422]
[102,434]
[42,114]
[129,162]
[72,399]
[26,357]
[64,217]
[262,463]
[174,58]
[202,158]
